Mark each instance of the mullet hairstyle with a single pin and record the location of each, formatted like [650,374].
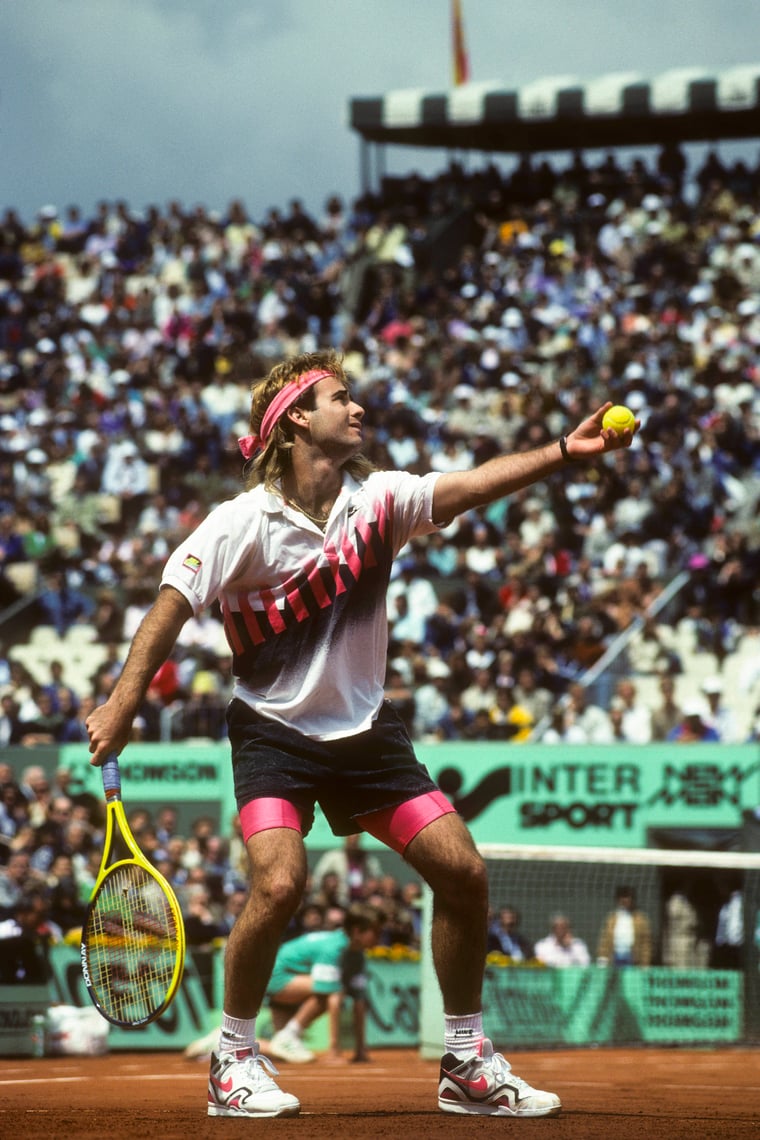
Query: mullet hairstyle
[271,464]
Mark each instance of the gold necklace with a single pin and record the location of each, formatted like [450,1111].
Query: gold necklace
[320,521]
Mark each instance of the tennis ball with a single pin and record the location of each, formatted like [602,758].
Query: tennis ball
[620,418]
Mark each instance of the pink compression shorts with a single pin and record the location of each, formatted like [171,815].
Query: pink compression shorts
[395,826]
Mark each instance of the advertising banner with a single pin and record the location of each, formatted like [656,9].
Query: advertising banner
[603,795]
[595,1005]
[523,1007]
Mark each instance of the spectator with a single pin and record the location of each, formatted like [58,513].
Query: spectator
[202,928]
[718,715]
[353,867]
[508,719]
[626,936]
[166,824]
[693,727]
[637,720]
[667,716]
[63,604]
[233,906]
[66,908]
[585,721]
[431,702]
[36,789]
[728,945]
[11,729]
[530,695]
[480,694]
[74,728]
[505,937]
[648,651]
[14,812]
[16,878]
[24,939]
[680,940]
[561,947]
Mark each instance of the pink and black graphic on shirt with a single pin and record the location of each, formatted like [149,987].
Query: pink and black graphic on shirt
[269,629]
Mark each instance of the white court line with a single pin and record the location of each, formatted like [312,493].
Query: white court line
[167,1077]
[346,1077]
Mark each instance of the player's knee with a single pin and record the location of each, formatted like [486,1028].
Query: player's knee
[282,891]
[466,881]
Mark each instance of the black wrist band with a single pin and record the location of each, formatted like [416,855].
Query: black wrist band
[563,448]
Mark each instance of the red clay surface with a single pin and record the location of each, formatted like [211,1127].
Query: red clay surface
[661,1094]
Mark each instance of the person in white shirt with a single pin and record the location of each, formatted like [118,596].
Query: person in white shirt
[626,935]
[637,718]
[561,947]
[728,946]
[299,563]
[719,715]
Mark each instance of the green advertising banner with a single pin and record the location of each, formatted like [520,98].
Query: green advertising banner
[194,778]
[594,1005]
[603,795]
[523,1006]
[685,1006]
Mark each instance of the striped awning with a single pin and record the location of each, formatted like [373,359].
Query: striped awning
[565,112]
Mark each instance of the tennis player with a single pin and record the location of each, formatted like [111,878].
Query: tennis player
[299,563]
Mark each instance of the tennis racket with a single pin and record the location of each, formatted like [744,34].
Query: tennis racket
[133,939]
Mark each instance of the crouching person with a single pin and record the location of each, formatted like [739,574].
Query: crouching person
[313,974]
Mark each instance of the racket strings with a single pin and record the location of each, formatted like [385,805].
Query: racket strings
[132,945]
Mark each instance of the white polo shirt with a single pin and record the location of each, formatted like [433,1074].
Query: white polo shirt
[304,612]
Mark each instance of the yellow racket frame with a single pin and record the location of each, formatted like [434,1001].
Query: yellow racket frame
[117,825]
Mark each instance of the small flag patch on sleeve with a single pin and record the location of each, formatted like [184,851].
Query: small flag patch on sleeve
[192,563]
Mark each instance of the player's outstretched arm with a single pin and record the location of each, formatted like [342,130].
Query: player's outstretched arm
[459,491]
[109,725]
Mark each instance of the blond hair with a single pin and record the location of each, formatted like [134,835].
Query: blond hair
[270,465]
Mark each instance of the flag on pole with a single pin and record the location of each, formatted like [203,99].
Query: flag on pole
[461,60]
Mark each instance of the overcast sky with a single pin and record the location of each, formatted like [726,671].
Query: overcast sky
[209,100]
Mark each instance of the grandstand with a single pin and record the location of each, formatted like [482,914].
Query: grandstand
[612,285]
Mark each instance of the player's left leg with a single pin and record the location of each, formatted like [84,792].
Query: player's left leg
[473,1078]
[445,856]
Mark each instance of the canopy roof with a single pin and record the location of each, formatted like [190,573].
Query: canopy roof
[566,113]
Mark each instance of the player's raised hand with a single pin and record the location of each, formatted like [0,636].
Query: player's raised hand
[602,432]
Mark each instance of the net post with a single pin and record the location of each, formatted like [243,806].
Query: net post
[431,1001]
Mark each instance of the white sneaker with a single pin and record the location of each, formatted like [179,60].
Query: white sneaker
[287,1047]
[240,1084]
[484,1084]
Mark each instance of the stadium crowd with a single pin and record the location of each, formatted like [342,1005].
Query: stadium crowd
[477,311]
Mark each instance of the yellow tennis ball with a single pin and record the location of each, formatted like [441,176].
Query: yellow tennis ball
[619,418]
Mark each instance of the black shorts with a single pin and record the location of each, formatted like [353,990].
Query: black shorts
[350,777]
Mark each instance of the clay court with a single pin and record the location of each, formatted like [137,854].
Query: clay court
[662,1094]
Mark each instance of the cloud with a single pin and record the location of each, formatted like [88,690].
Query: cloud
[206,100]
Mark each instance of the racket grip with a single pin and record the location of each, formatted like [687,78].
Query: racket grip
[111,777]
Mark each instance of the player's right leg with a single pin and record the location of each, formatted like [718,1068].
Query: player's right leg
[241,1080]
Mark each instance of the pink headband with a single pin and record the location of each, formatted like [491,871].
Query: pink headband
[285,398]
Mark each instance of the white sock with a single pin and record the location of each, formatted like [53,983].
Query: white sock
[293,1029]
[238,1033]
[462,1035]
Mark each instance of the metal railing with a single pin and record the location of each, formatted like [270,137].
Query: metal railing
[599,677]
